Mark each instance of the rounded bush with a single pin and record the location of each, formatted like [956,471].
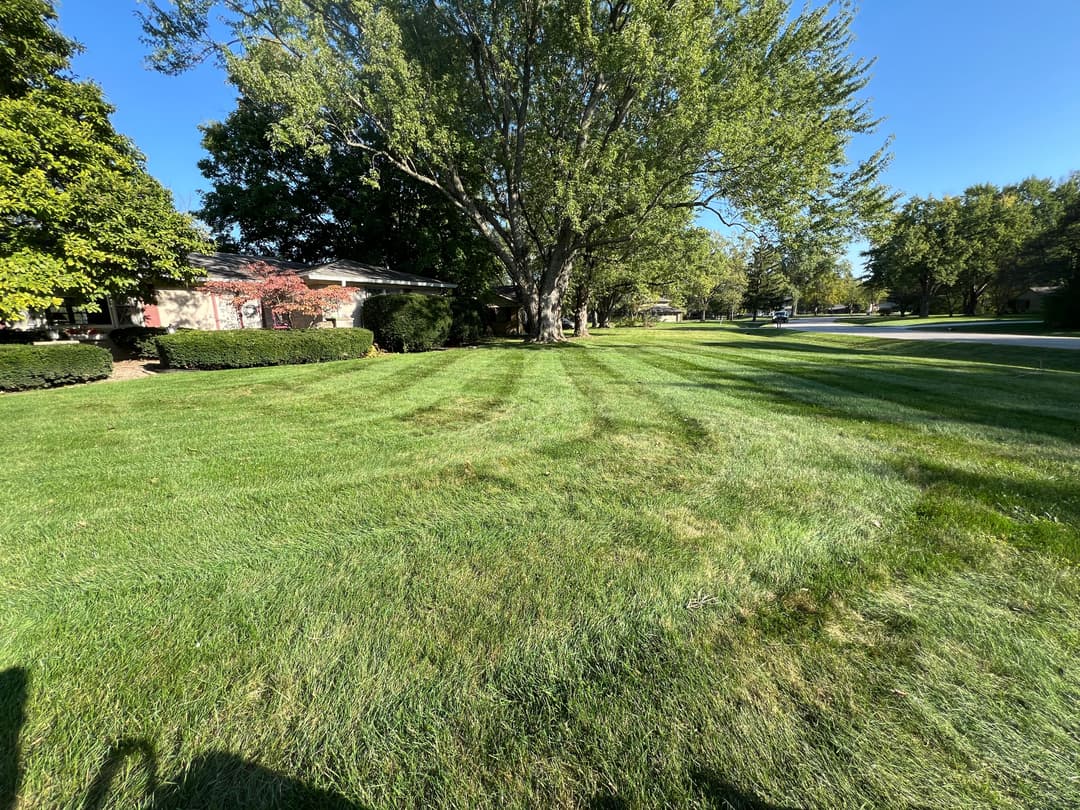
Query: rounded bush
[25,367]
[409,322]
[247,348]
[471,321]
[139,340]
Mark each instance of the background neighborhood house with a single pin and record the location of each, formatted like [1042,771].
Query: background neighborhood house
[662,310]
[186,307]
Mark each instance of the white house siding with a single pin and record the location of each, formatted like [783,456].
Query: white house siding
[190,309]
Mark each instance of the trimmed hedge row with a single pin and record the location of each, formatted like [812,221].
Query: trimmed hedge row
[25,367]
[246,348]
[409,322]
[139,340]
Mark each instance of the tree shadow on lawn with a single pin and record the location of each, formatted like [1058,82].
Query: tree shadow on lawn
[1045,515]
[1033,359]
[989,397]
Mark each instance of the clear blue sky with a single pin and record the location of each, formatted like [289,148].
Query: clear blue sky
[973,90]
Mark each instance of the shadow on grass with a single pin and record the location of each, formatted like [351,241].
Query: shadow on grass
[717,793]
[993,354]
[216,779]
[886,391]
[12,700]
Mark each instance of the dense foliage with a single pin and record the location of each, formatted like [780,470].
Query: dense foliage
[25,367]
[410,322]
[315,206]
[245,348]
[558,126]
[469,321]
[140,341]
[979,251]
[79,215]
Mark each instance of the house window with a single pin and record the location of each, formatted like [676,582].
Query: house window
[78,313]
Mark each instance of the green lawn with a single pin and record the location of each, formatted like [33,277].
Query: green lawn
[686,566]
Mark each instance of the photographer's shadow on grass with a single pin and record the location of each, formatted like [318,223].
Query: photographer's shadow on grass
[214,780]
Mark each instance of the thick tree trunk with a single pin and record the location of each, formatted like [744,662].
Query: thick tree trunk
[553,284]
[971,301]
[549,323]
[582,294]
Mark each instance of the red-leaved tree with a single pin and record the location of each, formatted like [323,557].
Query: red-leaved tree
[282,291]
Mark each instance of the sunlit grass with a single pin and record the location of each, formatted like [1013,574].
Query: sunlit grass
[672,567]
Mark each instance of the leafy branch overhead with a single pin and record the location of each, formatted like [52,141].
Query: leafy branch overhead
[79,214]
[548,123]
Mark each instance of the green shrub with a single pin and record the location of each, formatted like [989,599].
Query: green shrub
[470,321]
[1063,307]
[409,322]
[24,367]
[140,341]
[245,348]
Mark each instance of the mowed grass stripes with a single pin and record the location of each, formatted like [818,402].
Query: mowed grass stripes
[676,567]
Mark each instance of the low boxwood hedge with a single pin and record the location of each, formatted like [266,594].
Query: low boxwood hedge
[24,367]
[245,348]
[409,322]
[140,341]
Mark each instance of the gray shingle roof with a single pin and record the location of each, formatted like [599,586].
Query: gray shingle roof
[346,270]
[233,266]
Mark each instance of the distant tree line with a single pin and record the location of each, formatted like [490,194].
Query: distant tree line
[980,251]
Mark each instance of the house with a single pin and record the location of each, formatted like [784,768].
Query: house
[185,306]
[506,315]
[1033,299]
[661,310]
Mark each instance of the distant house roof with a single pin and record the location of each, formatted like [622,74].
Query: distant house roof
[662,306]
[233,266]
[501,296]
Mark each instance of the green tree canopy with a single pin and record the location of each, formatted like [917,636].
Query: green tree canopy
[923,250]
[79,215]
[310,206]
[548,122]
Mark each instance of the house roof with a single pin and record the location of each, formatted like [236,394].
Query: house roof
[233,266]
[346,270]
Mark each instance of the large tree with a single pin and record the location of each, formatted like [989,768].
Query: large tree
[549,122]
[922,252]
[308,206]
[79,215]
[711,274]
